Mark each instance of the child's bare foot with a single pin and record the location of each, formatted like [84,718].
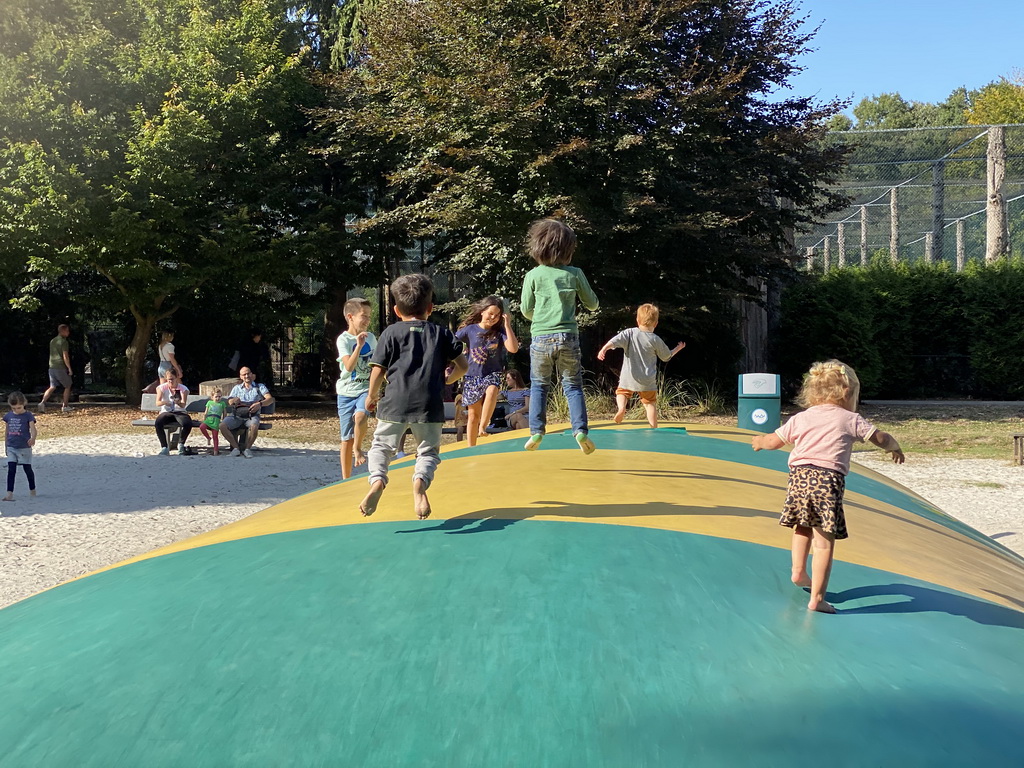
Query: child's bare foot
[358,457]
[801,579]
[369,503]
[483,434]
[821,607]
[619,416]
[419,499]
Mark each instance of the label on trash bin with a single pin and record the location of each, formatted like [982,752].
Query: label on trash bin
[759,416]
[759,384]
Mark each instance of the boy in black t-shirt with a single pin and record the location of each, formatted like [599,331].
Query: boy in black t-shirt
[411,356]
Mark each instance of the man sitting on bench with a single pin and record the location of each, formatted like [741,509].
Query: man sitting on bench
[247,399]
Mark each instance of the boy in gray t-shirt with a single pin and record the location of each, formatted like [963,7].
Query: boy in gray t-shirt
[643,348]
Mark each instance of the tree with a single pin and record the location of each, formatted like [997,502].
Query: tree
[890,110]
[645,124]
[160,144]
[998,102]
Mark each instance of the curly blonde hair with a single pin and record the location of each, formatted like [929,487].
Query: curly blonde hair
[832,382]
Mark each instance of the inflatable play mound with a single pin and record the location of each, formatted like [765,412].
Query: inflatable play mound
[628,608]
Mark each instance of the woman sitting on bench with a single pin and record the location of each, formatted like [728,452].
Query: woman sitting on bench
[172,396]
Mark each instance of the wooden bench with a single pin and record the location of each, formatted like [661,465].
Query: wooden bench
[1018,449]
[195,404]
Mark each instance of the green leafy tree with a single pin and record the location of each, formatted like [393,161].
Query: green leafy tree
[891,111]
[159,144]
[646,125]
[998,102]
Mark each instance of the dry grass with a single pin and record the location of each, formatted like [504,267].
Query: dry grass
[957,432]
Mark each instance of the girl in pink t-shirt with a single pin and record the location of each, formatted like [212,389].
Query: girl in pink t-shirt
[822,437]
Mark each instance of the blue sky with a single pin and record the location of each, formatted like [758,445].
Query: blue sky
[922,50]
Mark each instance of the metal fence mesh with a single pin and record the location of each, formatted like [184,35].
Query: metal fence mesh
[940,180]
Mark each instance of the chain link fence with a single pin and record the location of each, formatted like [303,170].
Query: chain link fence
[931,194]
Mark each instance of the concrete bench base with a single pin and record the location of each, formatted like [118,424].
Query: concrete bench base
[1018,449]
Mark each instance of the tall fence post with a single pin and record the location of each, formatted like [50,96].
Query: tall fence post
[842,244]
[894,226]
[809,258]
[929,247]
[961,248]
[938,209]
[827,255]
[863,235]
[997,236]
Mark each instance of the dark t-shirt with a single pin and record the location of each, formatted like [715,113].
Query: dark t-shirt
[486,349]
[251,354]
[414,355]
[18,432]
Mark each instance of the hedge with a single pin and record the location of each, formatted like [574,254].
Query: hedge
[910,330]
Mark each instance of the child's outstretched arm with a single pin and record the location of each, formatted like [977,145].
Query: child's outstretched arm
[376,379]
[587,296]
[770,442]
[459,367]
[887,442]
[511,340]
[678,348]
[527,299]
[604,350]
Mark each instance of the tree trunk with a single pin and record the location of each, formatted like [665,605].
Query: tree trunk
[997,239]
[334,324]
[136,354]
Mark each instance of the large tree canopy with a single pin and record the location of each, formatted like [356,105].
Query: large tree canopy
[160,144]
[647,125]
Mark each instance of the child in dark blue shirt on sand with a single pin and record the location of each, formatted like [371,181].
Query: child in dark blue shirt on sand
[20,437]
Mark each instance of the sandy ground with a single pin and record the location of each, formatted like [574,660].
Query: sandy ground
[105,498]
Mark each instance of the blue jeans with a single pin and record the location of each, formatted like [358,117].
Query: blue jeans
[556,352]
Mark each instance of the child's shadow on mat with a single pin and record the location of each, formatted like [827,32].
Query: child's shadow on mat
[923,599]
[489,520]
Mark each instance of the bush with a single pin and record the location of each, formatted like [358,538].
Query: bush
[917,330]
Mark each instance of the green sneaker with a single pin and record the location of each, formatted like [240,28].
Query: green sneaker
[586,444]
[533,443]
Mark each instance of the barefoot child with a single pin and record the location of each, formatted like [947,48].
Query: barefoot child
[488,335]
[21,436]
[549,301]
[411,356]
[639,375]
[822,438]
[216,410]
[355,346]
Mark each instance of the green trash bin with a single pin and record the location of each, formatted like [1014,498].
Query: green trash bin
[760,405]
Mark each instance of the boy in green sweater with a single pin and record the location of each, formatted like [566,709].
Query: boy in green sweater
[549,302]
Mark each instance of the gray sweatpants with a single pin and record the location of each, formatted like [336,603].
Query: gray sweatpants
[386,439]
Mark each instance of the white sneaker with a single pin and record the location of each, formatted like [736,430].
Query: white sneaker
[66,409]
[247,453]
[236,452]
[164,452]
[182,452]
[42,407]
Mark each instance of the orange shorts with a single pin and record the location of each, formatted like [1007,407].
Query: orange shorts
[647,397]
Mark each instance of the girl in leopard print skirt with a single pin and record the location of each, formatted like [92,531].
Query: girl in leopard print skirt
[822,437]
